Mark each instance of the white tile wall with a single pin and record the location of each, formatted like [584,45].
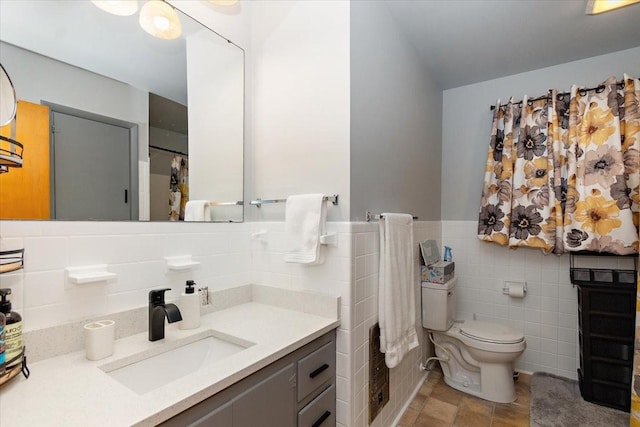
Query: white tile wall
[134,251]
[405,377]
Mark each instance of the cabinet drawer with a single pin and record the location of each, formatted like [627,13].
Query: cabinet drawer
[315,369]
[614,349]
[321,412]
[612,372]
[612,302]
[615,397]
[612,326]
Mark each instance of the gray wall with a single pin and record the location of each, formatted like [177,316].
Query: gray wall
[396,120]
[467,120]
[39,78]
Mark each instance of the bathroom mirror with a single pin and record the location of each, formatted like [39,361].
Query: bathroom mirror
[101,101]
[8,101]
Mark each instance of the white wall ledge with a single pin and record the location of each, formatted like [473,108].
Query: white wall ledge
[181,262]
[89,274]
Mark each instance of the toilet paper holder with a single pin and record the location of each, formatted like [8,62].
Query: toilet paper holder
[514,285]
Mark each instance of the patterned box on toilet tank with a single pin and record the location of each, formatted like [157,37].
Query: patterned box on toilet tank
[438,272]
[433,269]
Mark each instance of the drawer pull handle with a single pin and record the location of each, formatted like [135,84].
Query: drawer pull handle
[322,419]
[318,371]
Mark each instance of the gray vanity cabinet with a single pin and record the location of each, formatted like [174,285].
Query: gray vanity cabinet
[222,416]
[271,402]
[296,390]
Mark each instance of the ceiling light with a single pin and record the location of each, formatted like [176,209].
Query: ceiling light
[598,6]
[223,2]
[160,20]
[118,7]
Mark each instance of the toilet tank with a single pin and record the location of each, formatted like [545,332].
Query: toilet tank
[438,305]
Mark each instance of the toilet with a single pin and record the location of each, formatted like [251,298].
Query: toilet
[476,357]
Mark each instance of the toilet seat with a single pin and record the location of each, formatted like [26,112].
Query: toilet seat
[488,332]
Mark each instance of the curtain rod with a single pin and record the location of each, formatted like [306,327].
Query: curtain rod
[168,151]
[583,92]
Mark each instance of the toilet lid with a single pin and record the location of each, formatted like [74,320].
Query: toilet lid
[490,332]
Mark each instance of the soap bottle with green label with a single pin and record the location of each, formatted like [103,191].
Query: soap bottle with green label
[12,332]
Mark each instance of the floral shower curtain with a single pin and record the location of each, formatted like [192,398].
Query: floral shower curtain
[562,171]
[178,188]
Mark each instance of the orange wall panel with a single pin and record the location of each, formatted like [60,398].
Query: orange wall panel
[25,191]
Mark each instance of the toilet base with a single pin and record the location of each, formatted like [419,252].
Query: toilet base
[497,382]
[472,389]
[489,381]
[499,385]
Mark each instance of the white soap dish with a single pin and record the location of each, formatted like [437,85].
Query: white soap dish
[89,274]
[181,262]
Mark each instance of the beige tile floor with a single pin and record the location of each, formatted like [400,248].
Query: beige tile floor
[437,404]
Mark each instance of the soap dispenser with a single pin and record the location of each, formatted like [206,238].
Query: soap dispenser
[189,307]
[12,332]
[3,321]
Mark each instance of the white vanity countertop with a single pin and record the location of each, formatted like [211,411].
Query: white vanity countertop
[70,390]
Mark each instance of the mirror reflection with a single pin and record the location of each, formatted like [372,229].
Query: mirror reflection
[119,124]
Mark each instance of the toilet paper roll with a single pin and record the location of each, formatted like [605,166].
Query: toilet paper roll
[516,291]
[99,338]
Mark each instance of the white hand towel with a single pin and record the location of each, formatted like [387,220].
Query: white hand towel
[396,289]
[305,217]
[197,210]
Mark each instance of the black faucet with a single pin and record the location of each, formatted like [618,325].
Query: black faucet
[157,311]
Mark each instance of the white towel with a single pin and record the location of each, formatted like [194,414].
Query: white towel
[396,289]
[305,217]
[197,210]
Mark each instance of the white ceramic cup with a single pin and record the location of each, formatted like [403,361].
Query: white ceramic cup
[99,338]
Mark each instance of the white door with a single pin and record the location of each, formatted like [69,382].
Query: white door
[91,167]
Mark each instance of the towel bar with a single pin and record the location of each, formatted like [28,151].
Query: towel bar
[238,203]
[259,202]
[369,216]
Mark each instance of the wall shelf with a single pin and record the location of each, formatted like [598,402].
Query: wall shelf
[181,262]
[329,239]
[11,260]
[89,274]
[588,275]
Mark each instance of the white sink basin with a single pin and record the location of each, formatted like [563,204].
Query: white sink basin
[143,373]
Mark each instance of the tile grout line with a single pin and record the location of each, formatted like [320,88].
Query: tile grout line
[493,410]
[491,421]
